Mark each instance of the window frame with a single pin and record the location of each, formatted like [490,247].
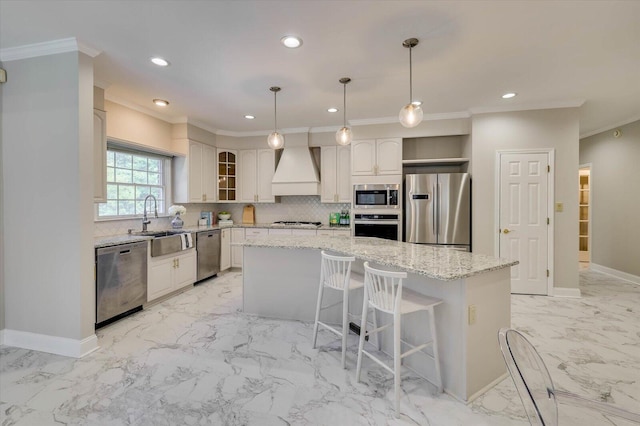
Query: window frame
[166,180]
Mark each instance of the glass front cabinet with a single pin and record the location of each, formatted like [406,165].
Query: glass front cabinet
[227,162]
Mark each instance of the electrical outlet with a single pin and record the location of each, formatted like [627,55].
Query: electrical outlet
[472,314]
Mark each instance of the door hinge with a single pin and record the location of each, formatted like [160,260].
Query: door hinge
[547,273]
[548,168]
[548,222]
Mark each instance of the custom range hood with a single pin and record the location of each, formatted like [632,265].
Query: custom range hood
[296,173]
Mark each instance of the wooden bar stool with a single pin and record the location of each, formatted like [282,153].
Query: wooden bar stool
[335,274]
[383,291]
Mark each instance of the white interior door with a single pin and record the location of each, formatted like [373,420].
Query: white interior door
[523,219]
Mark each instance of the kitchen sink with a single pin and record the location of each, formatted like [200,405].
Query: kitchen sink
[166,242]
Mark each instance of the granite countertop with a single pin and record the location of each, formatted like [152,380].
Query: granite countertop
[434,262]
[114,240]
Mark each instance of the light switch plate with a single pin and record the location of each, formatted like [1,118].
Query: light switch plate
[472,314]
[559,207]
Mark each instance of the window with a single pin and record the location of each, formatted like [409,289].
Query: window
[131,176]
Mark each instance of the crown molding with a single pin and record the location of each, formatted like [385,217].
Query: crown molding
[426,117]
[104,85]
[325,129]
[610,126]
[576,103]
[289,131]
[120,101]
[201,125]
[53,47]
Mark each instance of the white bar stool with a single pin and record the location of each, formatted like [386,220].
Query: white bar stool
[335,274]
[383,291]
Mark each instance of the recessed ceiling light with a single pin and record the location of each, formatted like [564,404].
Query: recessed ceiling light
[249,117]
[332,110]
[291,41]
[509,95]
[159,61]
[161,102]
[418,103]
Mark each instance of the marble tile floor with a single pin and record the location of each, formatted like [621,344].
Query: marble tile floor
[196,360]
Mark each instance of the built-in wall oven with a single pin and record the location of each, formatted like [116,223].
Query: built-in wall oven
[376,196]
[378,225]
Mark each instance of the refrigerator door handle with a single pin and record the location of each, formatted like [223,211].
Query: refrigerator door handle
[439,197]
[433,222]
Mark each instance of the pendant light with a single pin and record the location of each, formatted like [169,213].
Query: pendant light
[275,139]
[343,136]
[411,114]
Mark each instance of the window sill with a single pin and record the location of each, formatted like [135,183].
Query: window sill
[115,219]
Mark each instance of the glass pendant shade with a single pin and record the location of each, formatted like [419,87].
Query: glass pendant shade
[344,136]
[275,140]
[410,115]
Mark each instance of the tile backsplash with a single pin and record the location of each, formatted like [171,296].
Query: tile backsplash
[306,208]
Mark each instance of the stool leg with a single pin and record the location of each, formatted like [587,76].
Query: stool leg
[436,356]
[375,326]
[345,324]
[397,361]
[315,326]
[363,331]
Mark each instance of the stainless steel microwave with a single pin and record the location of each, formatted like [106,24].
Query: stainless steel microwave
[376,196]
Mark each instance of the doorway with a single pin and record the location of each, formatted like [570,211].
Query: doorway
[525,205]
[584,199]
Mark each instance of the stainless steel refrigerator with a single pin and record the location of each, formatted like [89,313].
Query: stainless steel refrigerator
[438,209]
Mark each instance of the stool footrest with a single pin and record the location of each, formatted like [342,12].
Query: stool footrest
[382,364]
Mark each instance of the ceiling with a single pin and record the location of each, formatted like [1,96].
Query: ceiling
[226,54]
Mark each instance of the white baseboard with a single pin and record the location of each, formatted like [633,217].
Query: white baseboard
[567,292]
[51,344]
[614,272]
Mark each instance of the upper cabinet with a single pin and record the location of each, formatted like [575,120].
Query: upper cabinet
[194,175]
[227,162]
[256,169]
[376,157]
[336,174]
[99,156]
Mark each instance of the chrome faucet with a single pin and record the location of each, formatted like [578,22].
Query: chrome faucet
[146,221]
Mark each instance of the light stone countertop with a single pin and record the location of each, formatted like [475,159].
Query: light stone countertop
[114,240]
[434,262]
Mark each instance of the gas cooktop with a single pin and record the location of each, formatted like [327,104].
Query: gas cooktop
[297,223]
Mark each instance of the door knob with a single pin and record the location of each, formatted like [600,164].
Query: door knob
[505,231]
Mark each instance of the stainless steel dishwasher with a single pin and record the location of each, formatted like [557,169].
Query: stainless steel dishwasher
[121,281]
[208,249]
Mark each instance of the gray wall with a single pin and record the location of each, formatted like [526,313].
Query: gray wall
[48,202]
[552,128]
[1,220]
[615,197]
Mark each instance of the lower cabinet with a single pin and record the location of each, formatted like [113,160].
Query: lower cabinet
[170,273]
[225,249]
[237,234]
[334,232]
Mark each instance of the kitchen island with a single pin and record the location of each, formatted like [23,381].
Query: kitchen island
[281,275]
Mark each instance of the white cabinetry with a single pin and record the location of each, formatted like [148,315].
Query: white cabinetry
[256,169]
[225,249]
[237,234]
[195,174]
[336,174]
[334,232]
[170,273]
[227,175]
[376,157]
[99,156]
[279,231]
